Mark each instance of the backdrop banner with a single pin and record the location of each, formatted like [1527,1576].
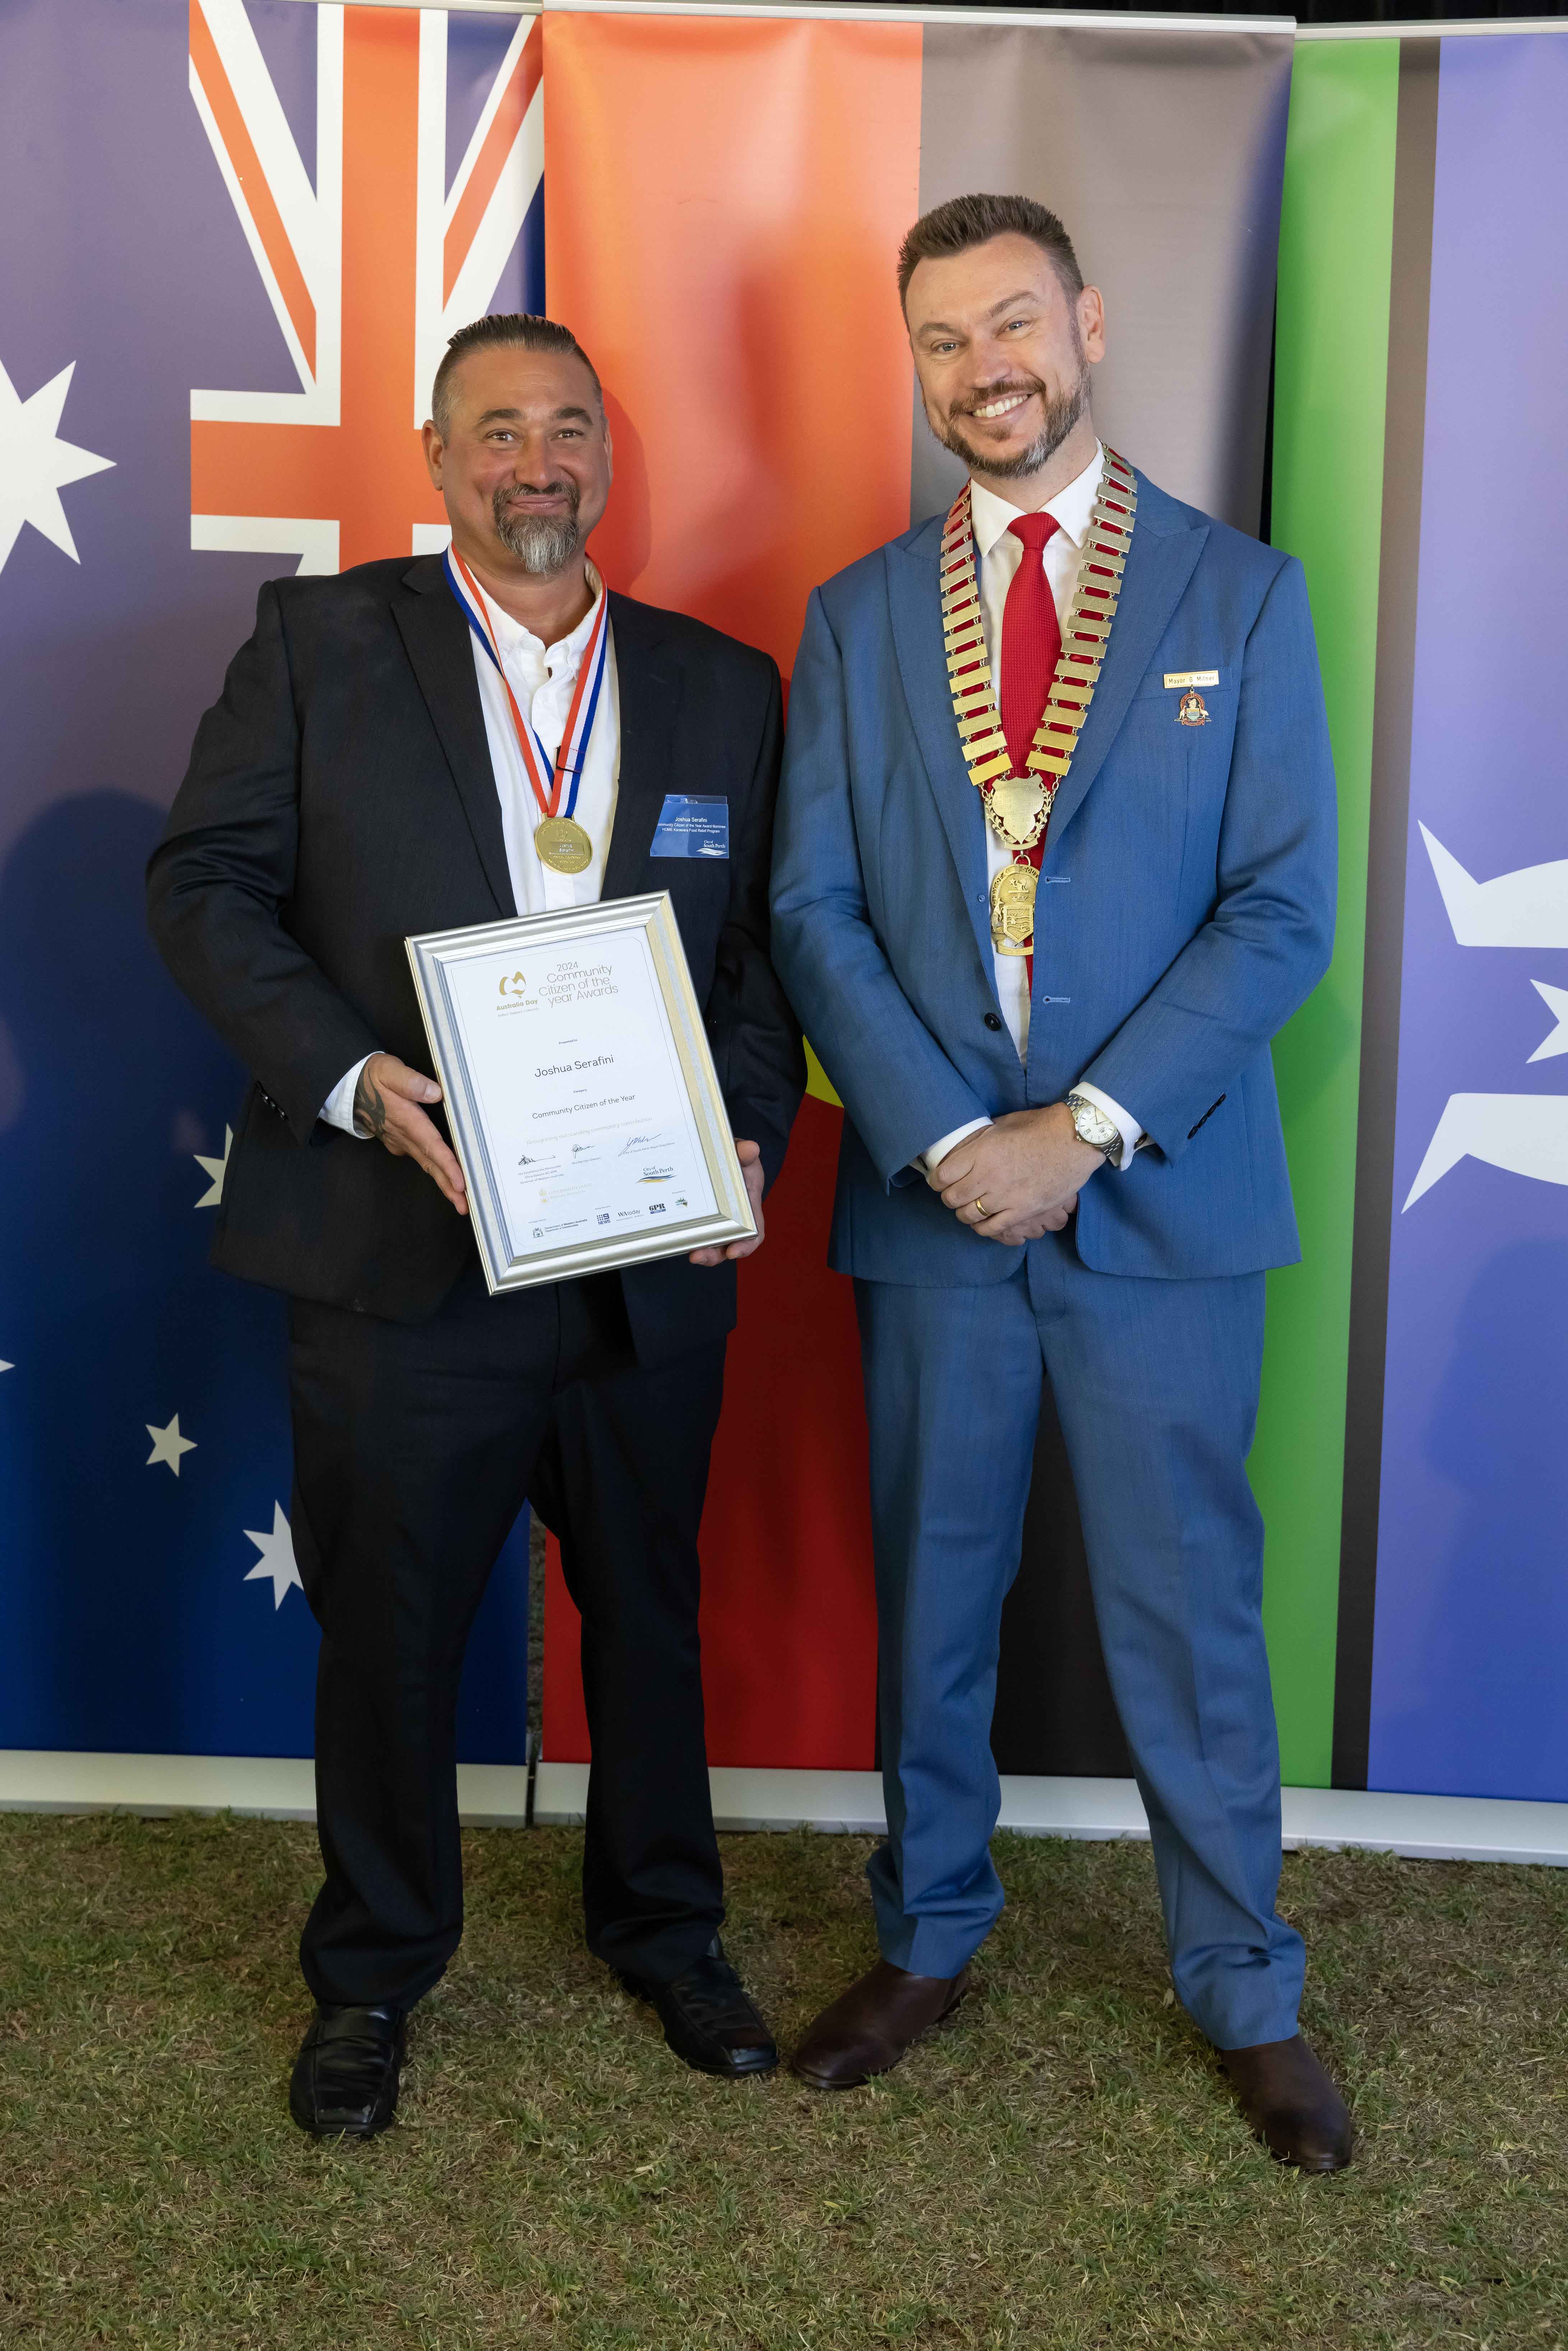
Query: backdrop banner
[234,245]
[726,199]
[1431,1073]
[233,248]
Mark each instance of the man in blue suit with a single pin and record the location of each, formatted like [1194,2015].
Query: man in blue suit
[1041,927]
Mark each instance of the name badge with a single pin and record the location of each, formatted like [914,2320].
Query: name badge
[692,825]
[1191,677]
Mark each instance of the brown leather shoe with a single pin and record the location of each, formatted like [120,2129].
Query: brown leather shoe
[1287,2096]
[869,2029]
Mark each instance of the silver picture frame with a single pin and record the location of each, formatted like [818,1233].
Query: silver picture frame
[497,996]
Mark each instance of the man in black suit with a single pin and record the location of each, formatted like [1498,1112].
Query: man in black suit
[385,751]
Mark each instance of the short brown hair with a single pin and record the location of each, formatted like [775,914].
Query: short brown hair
[518,327]
[967,221]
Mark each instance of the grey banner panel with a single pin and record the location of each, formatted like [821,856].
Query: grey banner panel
[1164,153]
[1404,434]
[1054,1713]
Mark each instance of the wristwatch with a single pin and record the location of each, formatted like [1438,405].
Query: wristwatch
[1092,1127]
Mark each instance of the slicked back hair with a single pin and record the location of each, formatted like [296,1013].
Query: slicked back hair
[519,327]
[965,221]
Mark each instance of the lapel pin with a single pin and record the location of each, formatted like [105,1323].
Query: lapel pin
[1192,710]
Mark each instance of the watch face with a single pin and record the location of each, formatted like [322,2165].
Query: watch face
[1093,1127]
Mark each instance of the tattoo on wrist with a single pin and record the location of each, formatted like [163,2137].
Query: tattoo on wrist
[370,1104]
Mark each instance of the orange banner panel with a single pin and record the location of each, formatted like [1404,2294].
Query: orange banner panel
[725,203]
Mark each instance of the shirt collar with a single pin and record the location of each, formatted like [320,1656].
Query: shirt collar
[512,637]
[1071,508]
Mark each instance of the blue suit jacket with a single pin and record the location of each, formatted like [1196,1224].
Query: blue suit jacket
[1186,906]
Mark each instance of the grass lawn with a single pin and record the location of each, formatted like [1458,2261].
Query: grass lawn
[1060,2167]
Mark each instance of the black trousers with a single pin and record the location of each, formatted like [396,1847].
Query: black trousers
[414,1447]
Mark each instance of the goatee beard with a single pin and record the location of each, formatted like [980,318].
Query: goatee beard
[1063,412]
[543,544]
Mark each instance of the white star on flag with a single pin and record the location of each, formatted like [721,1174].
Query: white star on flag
[7,1367]
[277,1559]
[1556,1002]
[168,1445]
[215,1170]
[35,464]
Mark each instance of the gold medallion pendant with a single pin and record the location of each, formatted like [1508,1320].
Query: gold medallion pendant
[1012,909]
[563,845]
[1017,806]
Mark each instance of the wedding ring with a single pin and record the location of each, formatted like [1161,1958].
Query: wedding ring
[979,1202]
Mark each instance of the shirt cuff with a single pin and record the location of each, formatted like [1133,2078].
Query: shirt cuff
[338,1110]
[1132,1133]
[938,1152]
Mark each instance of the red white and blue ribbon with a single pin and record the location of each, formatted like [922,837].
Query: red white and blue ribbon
[567,766]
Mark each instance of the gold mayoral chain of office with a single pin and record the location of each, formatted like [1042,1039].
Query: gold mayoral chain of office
[1017,807]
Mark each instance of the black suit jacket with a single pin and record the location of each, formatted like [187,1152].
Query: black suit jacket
[340,796]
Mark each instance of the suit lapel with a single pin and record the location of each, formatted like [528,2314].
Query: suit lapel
[1159,565]
[915,603]
[649,688]
[437,638]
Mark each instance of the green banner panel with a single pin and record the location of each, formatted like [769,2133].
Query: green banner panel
[1331,379]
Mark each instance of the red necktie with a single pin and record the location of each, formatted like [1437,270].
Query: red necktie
[1031,647]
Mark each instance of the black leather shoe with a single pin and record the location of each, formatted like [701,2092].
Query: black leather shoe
[708,2018]
[345,2081]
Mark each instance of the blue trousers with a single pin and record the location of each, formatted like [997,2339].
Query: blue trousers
[1157,1387]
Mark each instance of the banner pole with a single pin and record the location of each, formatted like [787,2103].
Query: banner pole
[1432,29]
[830,12]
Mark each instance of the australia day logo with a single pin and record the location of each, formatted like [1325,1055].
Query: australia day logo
[1526,1134]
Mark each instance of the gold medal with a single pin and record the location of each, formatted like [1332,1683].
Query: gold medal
[1012,909]
[563,845]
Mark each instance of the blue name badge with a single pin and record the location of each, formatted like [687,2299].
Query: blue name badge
[692,827]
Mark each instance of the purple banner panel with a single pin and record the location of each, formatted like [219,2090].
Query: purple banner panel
[1470,1653]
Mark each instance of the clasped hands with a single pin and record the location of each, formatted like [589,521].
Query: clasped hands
[393,1102]
[1019,1177]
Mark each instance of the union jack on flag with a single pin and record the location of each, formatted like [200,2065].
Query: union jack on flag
[369,265]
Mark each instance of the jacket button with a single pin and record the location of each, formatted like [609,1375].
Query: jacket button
[993,1020]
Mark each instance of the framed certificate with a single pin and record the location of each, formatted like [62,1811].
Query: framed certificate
[581,1093]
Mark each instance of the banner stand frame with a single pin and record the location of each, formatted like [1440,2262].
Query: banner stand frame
[498,1795]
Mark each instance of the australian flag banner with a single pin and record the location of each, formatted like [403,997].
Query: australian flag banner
[235,245]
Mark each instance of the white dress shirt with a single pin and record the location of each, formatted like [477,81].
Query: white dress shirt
[998,554]
[543,678]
